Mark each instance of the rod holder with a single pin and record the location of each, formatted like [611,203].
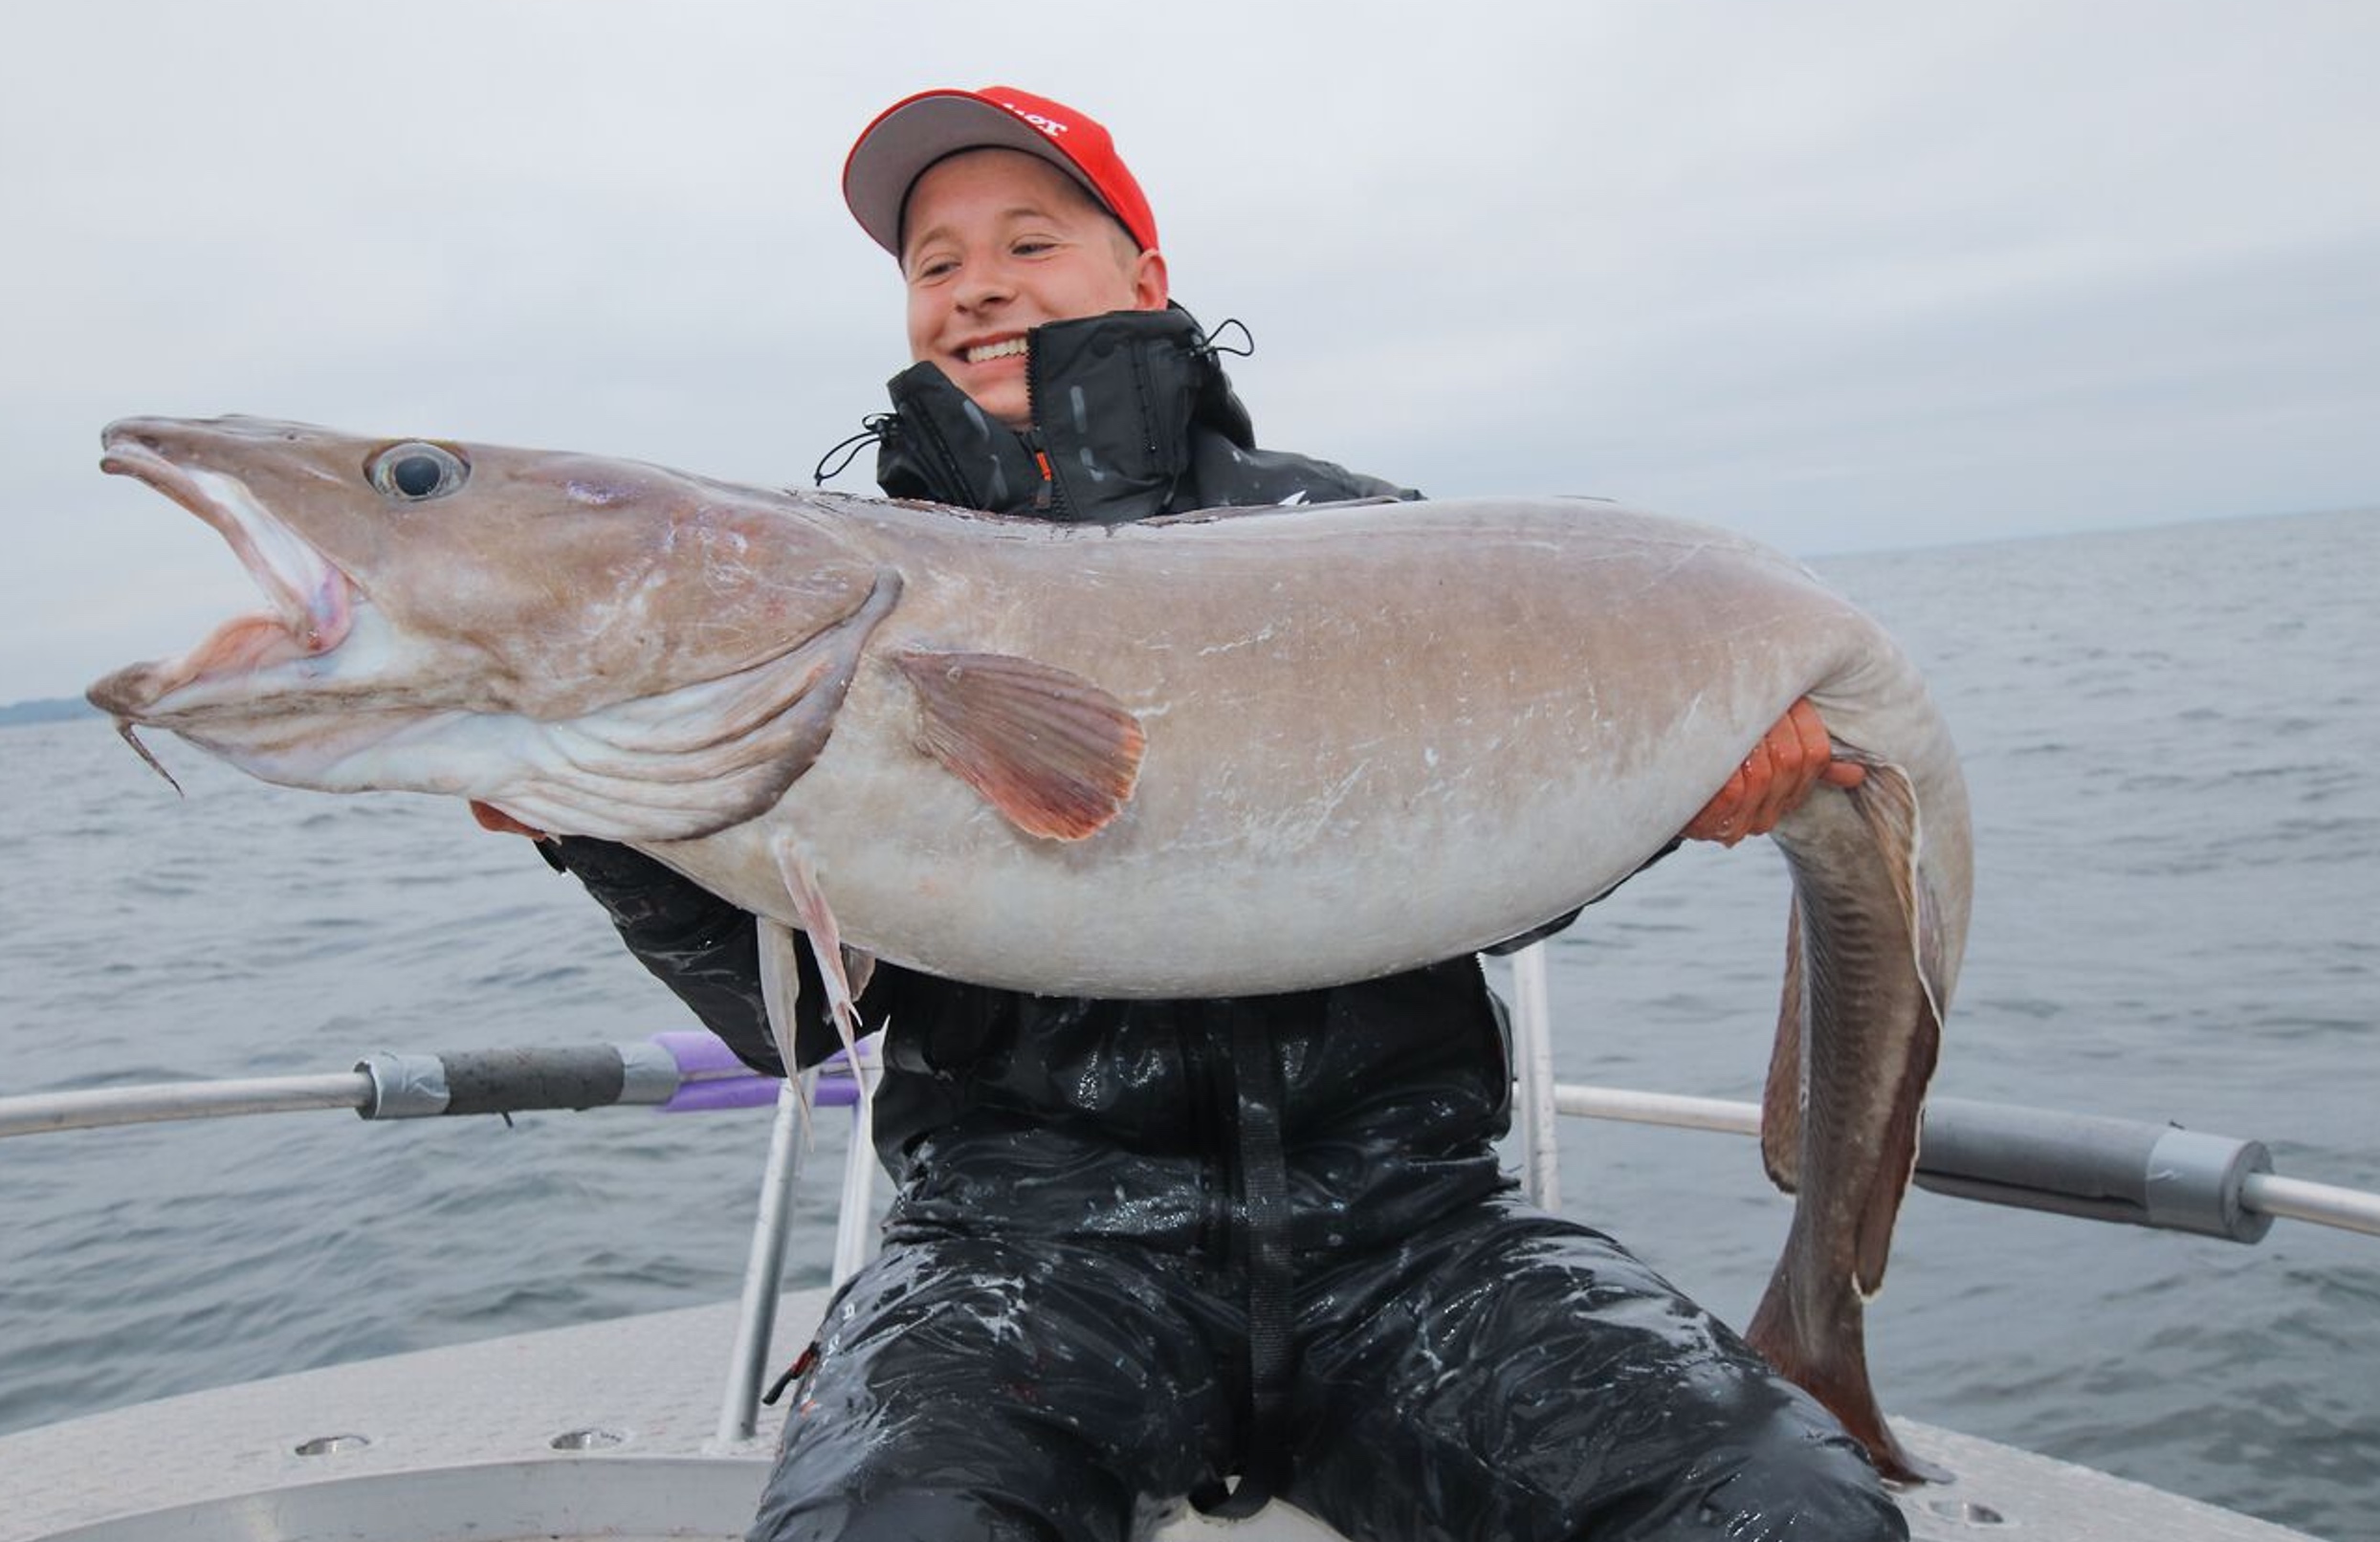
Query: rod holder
[2075,1164]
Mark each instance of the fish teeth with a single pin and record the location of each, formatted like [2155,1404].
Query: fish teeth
[1007,348]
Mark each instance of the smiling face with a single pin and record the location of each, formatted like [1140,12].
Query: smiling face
[996,243]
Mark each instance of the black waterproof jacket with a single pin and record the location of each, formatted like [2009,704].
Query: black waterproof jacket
[1041,1116]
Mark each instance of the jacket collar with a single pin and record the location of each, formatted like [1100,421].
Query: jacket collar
[1114,401]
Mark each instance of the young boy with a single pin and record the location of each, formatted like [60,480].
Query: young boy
[1138,1247]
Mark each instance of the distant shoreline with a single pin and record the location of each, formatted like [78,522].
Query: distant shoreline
[47,710]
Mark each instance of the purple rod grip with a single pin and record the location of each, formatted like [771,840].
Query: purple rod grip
[713,1077]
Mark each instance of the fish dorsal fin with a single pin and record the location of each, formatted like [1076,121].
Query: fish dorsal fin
[1787,1094]
[1886,802]
[1859,1021]
[1054,753]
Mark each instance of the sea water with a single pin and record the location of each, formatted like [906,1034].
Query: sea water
[2172,737]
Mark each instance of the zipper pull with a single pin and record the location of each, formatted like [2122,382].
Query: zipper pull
[1046,494]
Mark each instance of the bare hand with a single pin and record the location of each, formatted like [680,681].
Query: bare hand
[1775,777]
[495,819]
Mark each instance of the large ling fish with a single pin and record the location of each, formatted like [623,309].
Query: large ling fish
[1217,754]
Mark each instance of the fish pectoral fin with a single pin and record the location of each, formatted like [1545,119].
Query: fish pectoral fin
[1054,752]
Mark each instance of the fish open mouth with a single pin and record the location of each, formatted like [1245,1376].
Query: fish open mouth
[311,601]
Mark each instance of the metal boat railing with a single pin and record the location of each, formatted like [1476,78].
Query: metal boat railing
[2138,1173]
[2144,1173]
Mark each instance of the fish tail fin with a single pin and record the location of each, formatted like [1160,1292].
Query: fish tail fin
[1819,1340]
[1858,1032]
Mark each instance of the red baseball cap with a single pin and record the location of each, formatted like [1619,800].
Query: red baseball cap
[916,131]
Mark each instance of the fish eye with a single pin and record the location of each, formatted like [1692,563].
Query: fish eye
[415,471]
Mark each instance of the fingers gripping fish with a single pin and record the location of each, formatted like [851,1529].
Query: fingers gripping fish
[1210,756]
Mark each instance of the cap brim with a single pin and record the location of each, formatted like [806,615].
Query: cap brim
[912,135]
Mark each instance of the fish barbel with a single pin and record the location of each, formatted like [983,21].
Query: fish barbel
[1212,755]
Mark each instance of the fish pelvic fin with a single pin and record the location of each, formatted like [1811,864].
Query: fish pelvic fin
[1054,753]
[827,951]
[780,995]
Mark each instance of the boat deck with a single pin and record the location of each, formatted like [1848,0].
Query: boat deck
[605,1430]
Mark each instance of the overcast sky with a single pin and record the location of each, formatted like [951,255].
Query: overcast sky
[1842,276]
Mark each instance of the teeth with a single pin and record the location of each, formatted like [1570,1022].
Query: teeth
[1009,350]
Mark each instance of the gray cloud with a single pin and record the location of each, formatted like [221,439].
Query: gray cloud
[1841,274]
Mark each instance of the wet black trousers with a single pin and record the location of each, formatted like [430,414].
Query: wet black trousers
[1503,1375]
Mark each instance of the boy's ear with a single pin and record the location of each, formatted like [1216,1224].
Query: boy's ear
[1149,289]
